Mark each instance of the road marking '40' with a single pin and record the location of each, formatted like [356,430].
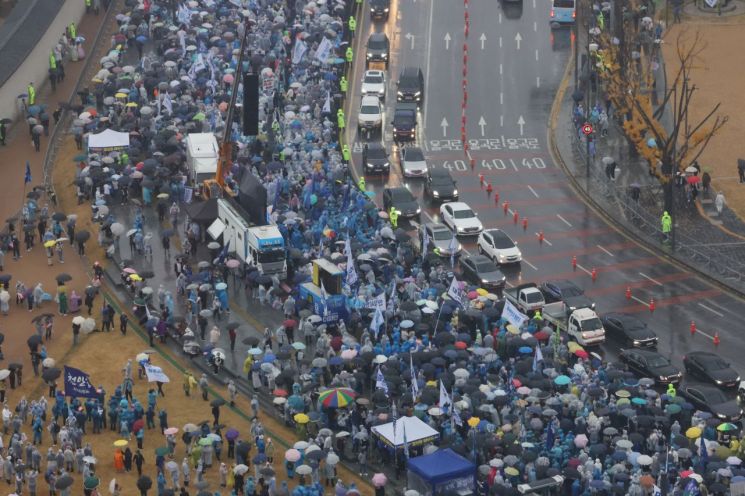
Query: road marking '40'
[496,164]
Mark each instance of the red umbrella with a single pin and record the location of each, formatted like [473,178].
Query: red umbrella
[461,345]
[693,179]
[581,354]
[138,425]
[540,336]
[289,323]
[279,392]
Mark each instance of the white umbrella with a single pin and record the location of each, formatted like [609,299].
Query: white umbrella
[88,326]
[242,469]
[48,362]
[78,320]
[117,229]
[304,470]
[332,459]
[4,373]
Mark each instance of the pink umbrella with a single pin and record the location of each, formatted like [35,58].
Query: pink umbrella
[171,431]
[292,455]
[379,480]
[233,263]
[227,78]
[580,441]
[472,295]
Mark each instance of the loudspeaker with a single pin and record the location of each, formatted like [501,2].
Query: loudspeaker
[250,104]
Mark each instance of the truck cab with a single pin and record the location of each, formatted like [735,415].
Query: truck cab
[583,324]
[266,250]
[527,297]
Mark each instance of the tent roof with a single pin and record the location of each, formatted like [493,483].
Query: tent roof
[441,465]
[417,432]
[205,211]
[108,139]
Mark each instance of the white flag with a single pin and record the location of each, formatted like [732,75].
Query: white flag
[351,271]
[538,357]
[327,104]
[456,292]
[324,299]
[298,51]
[445,402]
[380,382]
[168,104]
[324,50]
[425,244]
[376,322]
[155,374]
[414,385]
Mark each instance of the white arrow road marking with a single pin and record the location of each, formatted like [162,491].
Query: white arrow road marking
[410,37]
[518,39]
[447,41]
[482,39]
[444,125]
[521,123]
[482,125]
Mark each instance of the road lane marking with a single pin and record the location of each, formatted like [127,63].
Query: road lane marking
[564,220]
[500,18]
[533,191]
[500,42]
[699,331]
[429,52]
[536,54]
[584,270]
[605,250]
[509,284]
[535,24]
[501,97]
[501,69]
[645,276]
[538,81]
[715,312]
[531,265]
[501,121]
[640,301]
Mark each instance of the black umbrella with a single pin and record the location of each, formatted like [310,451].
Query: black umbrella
[233,325]
[82,236]
[34,340]
[250,341]
[63,482]
[144,483]
[5,277]
[42,316]
[217,402]
[146,274]
[243,449]
[62,278]
[15,366]
[51,374]
[59,216]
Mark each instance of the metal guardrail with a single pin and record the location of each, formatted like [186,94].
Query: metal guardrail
[717,257]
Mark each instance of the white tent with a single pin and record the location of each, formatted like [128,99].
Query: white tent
[108,141]
[417,432]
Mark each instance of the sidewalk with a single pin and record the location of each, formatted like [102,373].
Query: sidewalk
[19,147]
[700,243]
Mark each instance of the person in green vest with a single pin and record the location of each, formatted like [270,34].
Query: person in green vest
[31,94]
[52,61]
[667,225]
[343,86]
[124,159]
[393,216]
[361,184]
[349,56]
[352,23]
[340,122]
[671,392]
[88,5]
[601,21]
[73,31]
[346,154]
[275,127]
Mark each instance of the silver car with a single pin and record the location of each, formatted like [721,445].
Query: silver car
[413,163]
[440,239]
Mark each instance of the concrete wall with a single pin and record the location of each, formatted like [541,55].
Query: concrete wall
[35,66]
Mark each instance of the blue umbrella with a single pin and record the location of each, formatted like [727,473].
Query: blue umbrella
[336,360]
[527,350]
[269,358]
[639,401]
[141,38]
[562,380]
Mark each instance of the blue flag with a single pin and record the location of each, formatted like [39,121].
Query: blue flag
[78,384]
[550,436]
[27,177]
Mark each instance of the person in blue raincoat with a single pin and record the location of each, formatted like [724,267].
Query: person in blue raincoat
[222,295]
[147,195]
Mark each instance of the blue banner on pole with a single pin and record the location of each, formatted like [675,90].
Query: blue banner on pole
[78,384]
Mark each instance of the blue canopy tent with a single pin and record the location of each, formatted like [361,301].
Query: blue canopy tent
[441,472]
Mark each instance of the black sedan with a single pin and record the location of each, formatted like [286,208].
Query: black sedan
[568,292]
[710,367]
[375,159]
[440,186]
[648,363]
[629,329]
[481,271]
[711,399]
[402,200]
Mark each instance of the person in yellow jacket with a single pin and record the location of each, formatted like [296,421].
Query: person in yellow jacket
[393,216]
[671,392]
[189,383]
[31,94]
[52,61]
[247,365]
[361,184]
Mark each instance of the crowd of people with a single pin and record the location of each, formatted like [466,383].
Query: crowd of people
[403,337]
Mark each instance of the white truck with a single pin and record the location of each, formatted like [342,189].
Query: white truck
[582,324]
[202,154]
[259,246]
[526,297]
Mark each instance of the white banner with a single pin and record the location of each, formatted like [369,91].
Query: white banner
[299,51]
[512,315]
[376,303]
[324,50]
[155,374]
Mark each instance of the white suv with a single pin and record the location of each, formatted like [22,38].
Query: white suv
[371,113]
[497,245]
[373,84]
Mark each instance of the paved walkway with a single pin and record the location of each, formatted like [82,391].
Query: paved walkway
[721,255]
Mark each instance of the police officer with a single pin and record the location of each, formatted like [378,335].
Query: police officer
[671,390]
[667,225]
[343,86]
[349,55]
[393,216]
[340,121]
[31,93]
[346,154]
[73,31]
[361,184]
[88,5]
[352,24]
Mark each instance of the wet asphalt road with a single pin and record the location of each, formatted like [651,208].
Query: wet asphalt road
[508,86]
